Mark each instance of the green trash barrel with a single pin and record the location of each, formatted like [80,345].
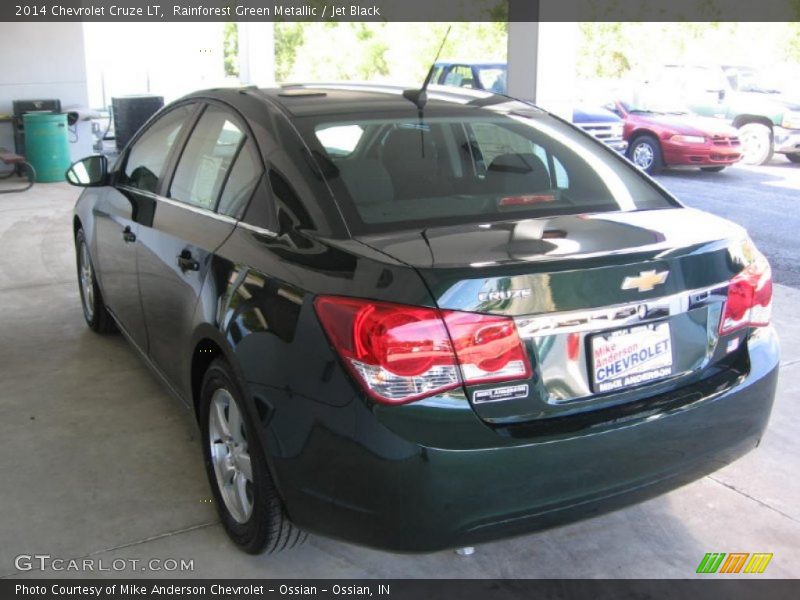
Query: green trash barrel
[47,144]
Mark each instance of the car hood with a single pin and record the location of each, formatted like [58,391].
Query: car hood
[593,114]
[776,99]
[690,124]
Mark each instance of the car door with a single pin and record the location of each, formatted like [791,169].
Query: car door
[193,216]
[123,207]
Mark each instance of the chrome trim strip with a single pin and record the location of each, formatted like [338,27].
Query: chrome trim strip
[619,315]
[255,229]
[195,209]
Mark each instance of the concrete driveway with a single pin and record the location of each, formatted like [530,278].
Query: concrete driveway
[98,461]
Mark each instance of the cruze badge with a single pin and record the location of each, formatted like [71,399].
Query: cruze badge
[646,281]
[504,295]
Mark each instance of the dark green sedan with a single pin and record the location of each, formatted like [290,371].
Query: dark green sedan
[422,324]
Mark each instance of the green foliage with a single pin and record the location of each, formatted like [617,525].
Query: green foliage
[793,45]
[365,51]
[230,48]
[613,50]
[288,37]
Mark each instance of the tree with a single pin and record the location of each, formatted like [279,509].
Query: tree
[230,48]
[288,37]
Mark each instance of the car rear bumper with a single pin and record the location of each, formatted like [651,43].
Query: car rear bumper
[701,155]
[386,483]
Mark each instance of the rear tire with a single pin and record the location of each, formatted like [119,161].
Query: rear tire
[247,501]
[645,153]
[712,169]
[756,140]
[94,309]
[795,158]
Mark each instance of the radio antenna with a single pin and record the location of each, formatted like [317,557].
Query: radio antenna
[420,97]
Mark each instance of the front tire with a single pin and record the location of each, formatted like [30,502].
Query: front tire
[246,498]
[756,140]
[94,309]
[645,153]
[712,169]
[795,158]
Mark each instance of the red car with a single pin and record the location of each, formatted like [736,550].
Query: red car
[665,138]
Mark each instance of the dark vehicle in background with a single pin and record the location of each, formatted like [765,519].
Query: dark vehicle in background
[603,124]
[767,119]
[661,136]
[421,325]
[491,77]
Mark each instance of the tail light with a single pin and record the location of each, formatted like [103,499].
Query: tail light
[404,353]
[749,302]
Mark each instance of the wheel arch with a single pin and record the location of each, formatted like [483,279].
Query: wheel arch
[207,346]
[637,133]
[747,119]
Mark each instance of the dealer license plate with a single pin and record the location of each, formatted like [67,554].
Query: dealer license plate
[629,357]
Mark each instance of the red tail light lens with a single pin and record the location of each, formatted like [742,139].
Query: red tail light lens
[749,302]
[404,353]
[487,346]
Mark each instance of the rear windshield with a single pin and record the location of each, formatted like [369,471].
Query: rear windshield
[412,172]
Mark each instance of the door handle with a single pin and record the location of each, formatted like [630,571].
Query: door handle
[187,263]
[128,235]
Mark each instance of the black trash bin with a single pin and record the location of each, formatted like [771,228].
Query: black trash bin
[130,113]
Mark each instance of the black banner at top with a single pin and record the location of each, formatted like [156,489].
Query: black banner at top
[399,10]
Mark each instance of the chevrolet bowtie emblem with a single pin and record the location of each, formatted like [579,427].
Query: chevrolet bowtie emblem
[646,281]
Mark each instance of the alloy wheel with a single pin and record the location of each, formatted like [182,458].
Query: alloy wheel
[643,155]
[230,456]
[87,282]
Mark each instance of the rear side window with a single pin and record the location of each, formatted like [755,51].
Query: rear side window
[241,182]
[408,172]
[206,159]
[148,156]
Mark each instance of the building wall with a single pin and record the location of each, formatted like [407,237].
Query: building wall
[166,59]
[41,60]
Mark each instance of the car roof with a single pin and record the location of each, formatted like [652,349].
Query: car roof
[364,99]
[359,99]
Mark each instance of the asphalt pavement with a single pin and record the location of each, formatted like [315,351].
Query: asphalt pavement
[765,200]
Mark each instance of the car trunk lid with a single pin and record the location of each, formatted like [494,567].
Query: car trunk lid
[587,293]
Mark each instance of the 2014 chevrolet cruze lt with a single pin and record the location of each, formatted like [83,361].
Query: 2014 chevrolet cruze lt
[422,325]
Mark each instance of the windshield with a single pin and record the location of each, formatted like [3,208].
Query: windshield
[655,99]
[659,107]
[751,80]
[400,173]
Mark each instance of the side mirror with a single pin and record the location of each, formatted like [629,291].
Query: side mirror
[91,171]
